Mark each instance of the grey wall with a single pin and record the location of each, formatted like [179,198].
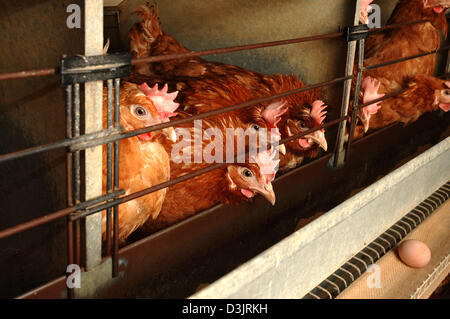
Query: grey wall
[204,24]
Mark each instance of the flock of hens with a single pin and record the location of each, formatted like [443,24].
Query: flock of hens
[197,86]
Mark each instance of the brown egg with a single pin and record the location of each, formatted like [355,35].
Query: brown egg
[414,253]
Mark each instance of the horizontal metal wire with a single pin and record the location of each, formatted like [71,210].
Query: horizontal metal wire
[376,66]
[188,176]
[101,137]
[191,54]
[111,135]
[98,204]
[58,214]
[392,95]
[385,97]
[60,144]
[28,74]
[395,26]
[160,58]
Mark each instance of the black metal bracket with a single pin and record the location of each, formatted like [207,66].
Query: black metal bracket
[81,69]
[356,32]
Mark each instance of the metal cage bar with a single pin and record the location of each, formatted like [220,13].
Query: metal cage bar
[115,253]
[109,177]
[69,162]
[351,50]
[355,97]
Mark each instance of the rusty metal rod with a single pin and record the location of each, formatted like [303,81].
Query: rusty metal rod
[395,26]
[191,54]
[376,66]
[28,74]
[59,144]
[58,214]
[167,57]
[44,72]
[107,136]
[216,112]
[69,210]
[385,97]
[108,198]
[188,176]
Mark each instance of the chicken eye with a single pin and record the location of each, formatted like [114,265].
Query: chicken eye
[139,111]
[247,173]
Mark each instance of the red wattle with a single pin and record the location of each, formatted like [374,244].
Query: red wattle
[438,9]
[247,193]
[445,107]
[304,143]
[145,137]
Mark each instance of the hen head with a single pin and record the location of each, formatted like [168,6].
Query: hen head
[142,106]
[442,96]
[303,119]
[438,6]
[255,177]
[432,10]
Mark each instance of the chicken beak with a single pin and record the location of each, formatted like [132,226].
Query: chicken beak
[318,137]
[365,119]
[267,192]
[282,149]
[170,133]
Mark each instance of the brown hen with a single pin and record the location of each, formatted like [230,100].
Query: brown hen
[197,74]
[143,161]
[236,182]
[403,42]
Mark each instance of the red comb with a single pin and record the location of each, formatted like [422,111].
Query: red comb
[164,102]
[318,112]
[272,114]
[267,163]
[370,86]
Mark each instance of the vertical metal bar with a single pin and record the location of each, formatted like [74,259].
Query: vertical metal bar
[77,167]
[93,121]
[115,256]
[356,97]
[351,51]
[70,256]
[76,132]
[109,172]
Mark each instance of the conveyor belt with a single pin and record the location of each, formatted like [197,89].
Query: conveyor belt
[358,264]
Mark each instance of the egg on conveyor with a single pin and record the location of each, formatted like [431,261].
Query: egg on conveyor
[414,253]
